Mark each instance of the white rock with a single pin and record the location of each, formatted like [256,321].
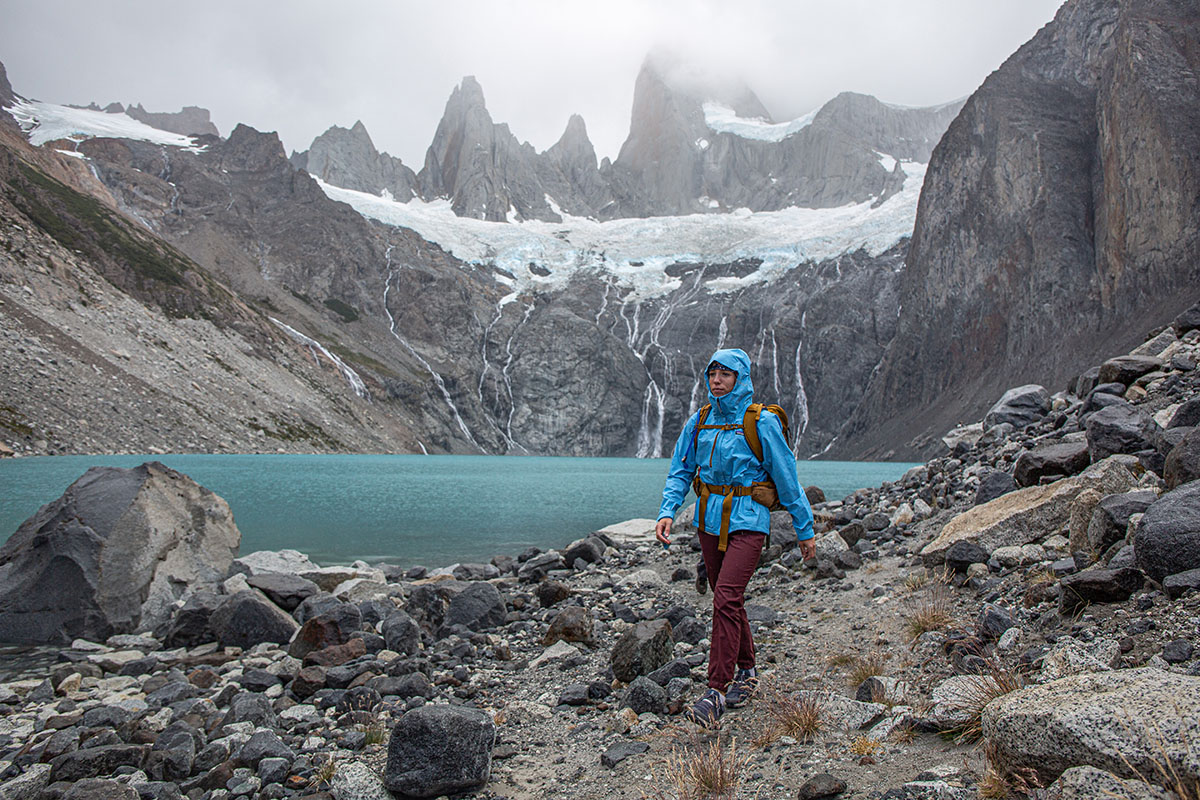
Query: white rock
[286,561]
[1126,722]
[643,577]
[354,780]
[1009,640]
[235,583]
[903,515]
[558,650]
[301,713]
[1073,657]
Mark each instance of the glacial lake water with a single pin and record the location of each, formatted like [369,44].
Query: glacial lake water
[407,509]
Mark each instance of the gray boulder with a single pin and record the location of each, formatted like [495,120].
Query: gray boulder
[992,484]
[247,618]
[1028,515]
[1124,721]
[1111,516]
[1127,369]
[1187,415]
[1020,406]
[644,648]
[1088,783]
[478,607]
[644,695]
[1183,461]
[1167,539]
[1050,461]
[1097,586]
[1181,583]
[590,549]
[190,625]
[401,633]
[1120,428]
[112,555]
[436,750]
[285,591]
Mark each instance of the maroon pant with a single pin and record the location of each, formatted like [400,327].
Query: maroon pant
[728,574]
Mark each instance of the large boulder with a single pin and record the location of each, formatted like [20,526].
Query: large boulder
[401,633]
[1050,461]
[1187,415]
[1128,722]
[285,591]
[1183,461]
[478,607]
[112,555]
[1088,783]
[1127,369]
[1110,518]
[335,626]
[436,750]
[248,618]
[1019,407]
[1120,428]
[1028,515]
[644,648]
[1167,539]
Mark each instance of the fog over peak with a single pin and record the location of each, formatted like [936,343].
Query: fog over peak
[299,69]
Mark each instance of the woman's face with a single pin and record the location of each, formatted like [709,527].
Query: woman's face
[721,381]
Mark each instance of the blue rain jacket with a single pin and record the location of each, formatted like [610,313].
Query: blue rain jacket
[724,458]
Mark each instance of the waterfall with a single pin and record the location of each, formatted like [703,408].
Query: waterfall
[801,403]
[437,379]
[356,383]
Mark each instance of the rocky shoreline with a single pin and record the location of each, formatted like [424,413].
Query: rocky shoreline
[1016,618]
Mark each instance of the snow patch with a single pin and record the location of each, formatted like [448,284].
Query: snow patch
[47,122]
[886,161]
[637,251]
[723,119]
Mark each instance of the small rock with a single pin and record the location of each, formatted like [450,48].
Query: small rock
[822,785]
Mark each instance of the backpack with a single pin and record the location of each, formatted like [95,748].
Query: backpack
[762,492]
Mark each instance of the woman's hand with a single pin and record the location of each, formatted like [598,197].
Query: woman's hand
[662,531]
[808,548]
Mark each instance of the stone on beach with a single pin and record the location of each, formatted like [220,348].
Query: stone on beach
[112,555]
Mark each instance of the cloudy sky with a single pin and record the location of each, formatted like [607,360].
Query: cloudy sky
[299,66]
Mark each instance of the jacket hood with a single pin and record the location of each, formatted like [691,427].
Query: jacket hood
[736,401]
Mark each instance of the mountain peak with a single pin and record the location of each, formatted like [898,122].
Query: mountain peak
[6,90]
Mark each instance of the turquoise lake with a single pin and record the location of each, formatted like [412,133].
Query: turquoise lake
[431,510]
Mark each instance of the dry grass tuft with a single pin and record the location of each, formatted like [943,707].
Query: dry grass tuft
[840,660]
[1000,781]
[903,734]
[701,771]
[983,690]
[932,613]
[867,666]
[323,775]
[916,581]
[865,746]
[375,733]
[788,716]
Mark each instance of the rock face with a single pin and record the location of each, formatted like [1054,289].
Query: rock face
[189,121]
[1059,264]
[1117,721]
[112,555]
[348,158]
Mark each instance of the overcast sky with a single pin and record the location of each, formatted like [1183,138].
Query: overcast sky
[299,66]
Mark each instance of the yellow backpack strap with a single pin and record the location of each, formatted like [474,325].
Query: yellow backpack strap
[750,429]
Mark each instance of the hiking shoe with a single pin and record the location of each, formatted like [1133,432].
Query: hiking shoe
[706,711]
[743,688]
[701,579]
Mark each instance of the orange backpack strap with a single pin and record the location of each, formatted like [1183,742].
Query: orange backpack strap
[750,429]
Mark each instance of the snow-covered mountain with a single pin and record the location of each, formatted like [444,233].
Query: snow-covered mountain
[690,150]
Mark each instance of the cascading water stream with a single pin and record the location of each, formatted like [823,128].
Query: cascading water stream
[352,377]
[437,379]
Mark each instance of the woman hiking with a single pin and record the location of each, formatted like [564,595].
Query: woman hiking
[733,524]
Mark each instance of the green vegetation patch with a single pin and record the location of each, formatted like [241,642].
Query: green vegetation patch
[347,312]
[11,420]
[96,227]
[287,431]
